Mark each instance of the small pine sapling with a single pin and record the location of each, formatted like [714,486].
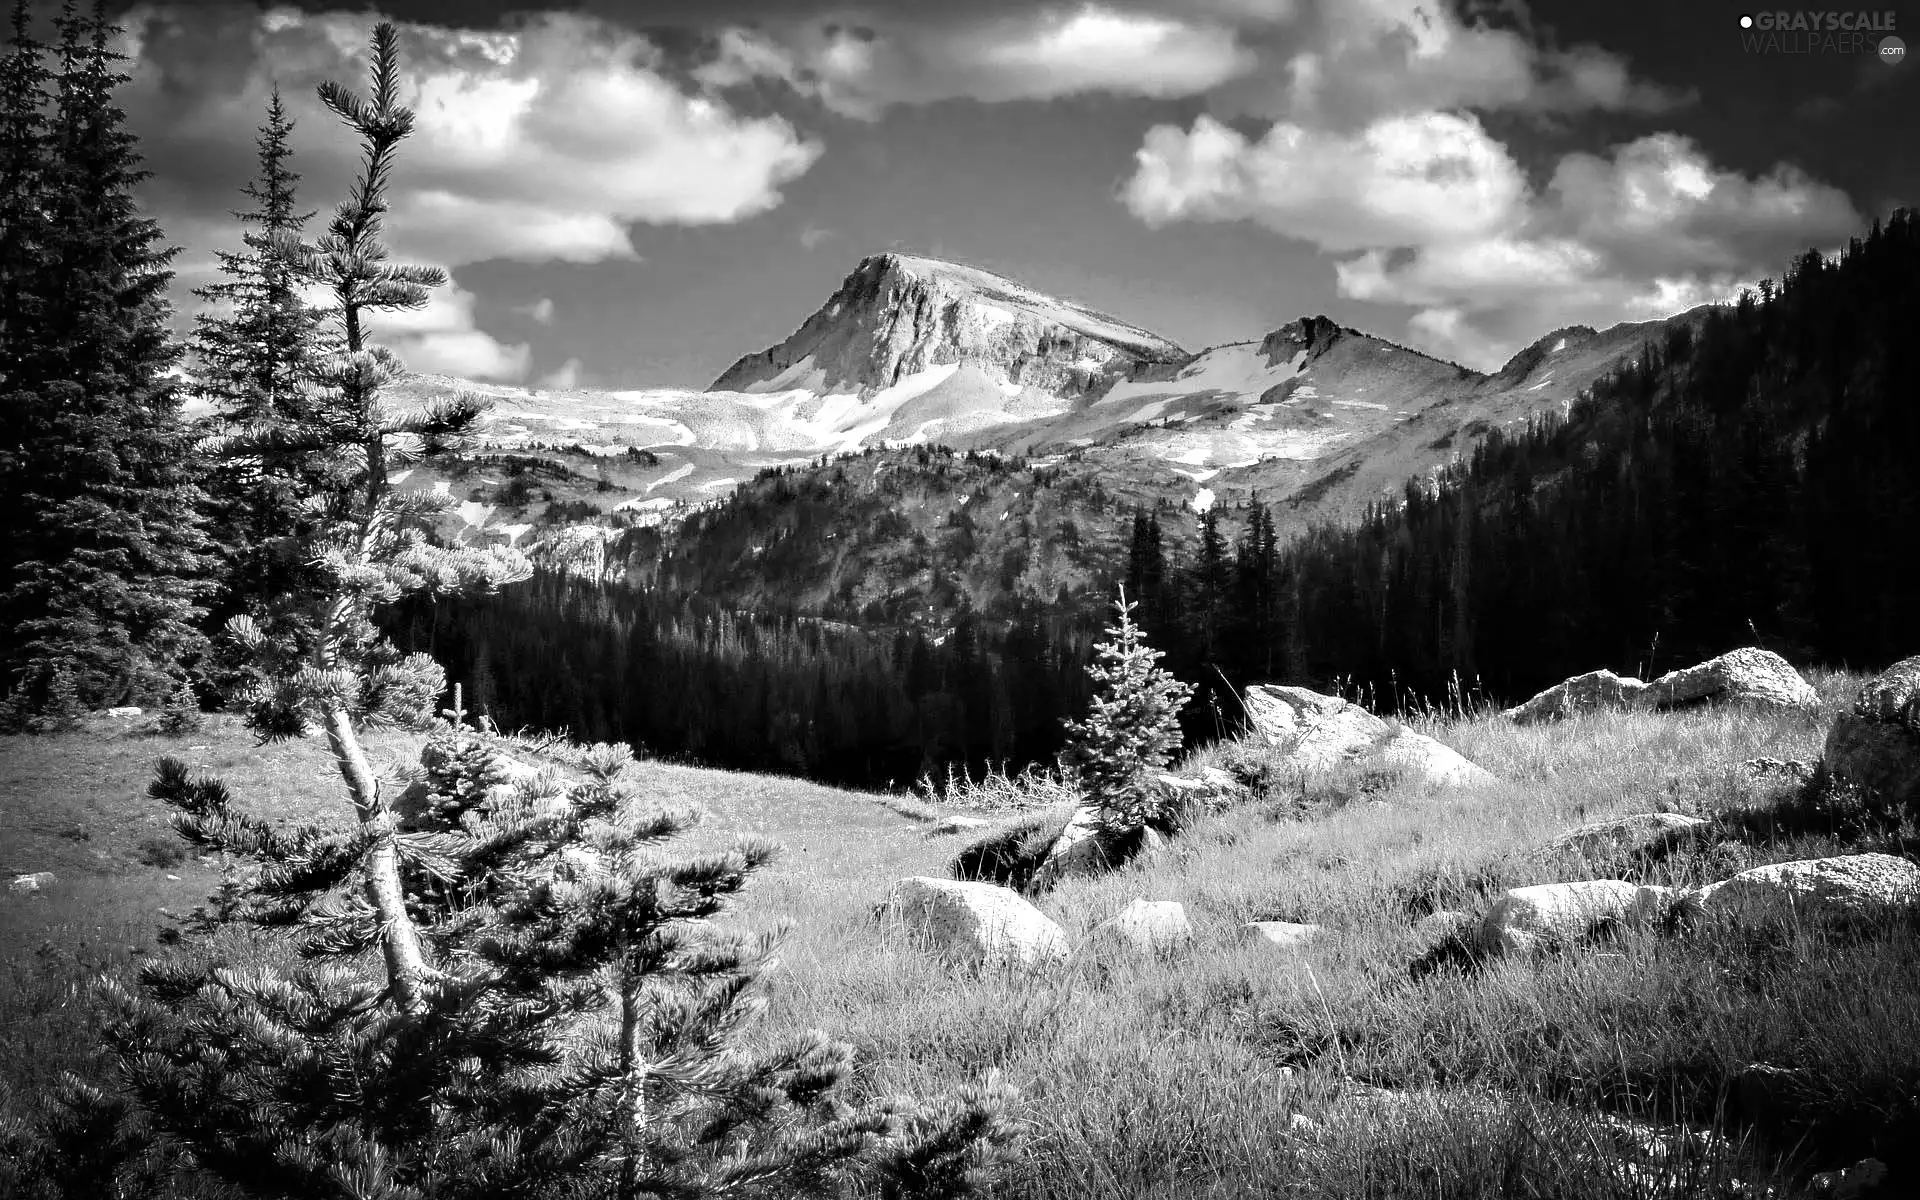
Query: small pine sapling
[1131,729]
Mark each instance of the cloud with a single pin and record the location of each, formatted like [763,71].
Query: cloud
[1035,54]
[1344,63]
[1434,213]
[542,143]
[1402,180]
[442,339]
[1335,63]
[566,376]
[813,237]
[540,311]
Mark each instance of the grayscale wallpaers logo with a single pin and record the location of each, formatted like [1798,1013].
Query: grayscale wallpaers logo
[1807,31]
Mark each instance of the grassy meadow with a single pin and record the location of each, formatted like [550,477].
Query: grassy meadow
[1229,1068]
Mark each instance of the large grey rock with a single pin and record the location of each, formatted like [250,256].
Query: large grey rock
[1848,882]
[1745,676]
[1637,833]
[1582,693]
[1145,927]
[1316,733]
[1875,744]
[1313,732]
[1420,757]
[974,922]
[31,883]
[1561,914]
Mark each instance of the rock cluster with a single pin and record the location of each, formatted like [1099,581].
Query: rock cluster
[1748,676]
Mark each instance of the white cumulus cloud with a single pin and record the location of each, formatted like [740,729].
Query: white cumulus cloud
[1432,212]
[1039,54]
[545,142]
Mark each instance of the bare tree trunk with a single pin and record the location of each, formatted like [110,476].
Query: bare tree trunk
[633,1065]
[407,968]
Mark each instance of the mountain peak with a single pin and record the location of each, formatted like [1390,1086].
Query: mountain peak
[897,315]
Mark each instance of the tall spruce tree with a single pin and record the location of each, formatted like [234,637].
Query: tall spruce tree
[106,561]
[550,1013]
[254,351]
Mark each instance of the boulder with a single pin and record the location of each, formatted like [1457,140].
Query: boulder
[1145,927]
[126,710]
[1286,935]
[1875,744]
[1637,833]
[31,883]
[1745,676]
[1846,883]
[1561,914]
[1082,848]
[1582,693]
[974,922]
[956,824]
[1420,757]
[1316,733]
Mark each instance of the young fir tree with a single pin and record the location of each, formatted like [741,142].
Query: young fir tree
[105,560]
[1131,728]
[253,354]
[550,1012]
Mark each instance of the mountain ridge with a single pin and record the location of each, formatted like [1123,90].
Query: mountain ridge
[1320,417]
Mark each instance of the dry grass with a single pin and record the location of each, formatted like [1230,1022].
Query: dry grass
[1181,1076]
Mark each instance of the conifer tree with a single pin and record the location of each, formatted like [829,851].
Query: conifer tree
[1131,728]
[254,351]
[105,559]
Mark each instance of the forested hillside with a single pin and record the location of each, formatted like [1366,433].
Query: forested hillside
[1759,481]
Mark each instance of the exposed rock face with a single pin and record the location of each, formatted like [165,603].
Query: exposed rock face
[1317,733]
[1145,927]
[1286,935]
[1561,914]
[1745,676]
[975,922]
[1582,693]
[1875,745]
[1637,833]
[898,315]
[1846,883]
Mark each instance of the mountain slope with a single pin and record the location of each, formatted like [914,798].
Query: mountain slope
[897,315]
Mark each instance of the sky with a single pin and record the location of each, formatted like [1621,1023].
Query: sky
[637,194]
